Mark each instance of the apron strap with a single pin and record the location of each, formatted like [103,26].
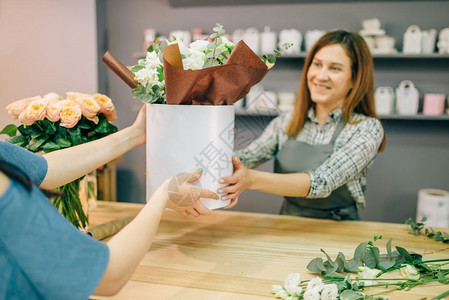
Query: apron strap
[341,124]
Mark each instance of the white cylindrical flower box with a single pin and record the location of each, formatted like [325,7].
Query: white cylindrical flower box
[183,138]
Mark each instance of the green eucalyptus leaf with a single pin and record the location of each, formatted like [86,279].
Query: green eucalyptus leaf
[442,277]
[370,260]
[404,253]
[331,267]
[341,262]
[353,265]
[137,68]
[360,251]
[316,265]
[9,130]
[351,295]
[386,262]
[213,36]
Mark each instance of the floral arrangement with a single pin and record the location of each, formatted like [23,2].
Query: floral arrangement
[50,123]
[362,271]
[149,71]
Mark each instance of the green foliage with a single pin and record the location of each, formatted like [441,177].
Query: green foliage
[418,227]
[271,58]
[46,136]
[10,130]
[364,255]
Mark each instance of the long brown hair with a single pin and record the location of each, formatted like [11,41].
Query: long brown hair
[360,98]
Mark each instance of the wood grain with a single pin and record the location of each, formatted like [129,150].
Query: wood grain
[237,255]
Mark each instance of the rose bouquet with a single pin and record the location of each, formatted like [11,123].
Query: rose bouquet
[50,123]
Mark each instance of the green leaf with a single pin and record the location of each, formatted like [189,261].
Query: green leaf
[404,254]
[353,265]
[19,140]
[63,142]
[316,265]
[341,262]
[50,146]
[35,143]
[442,277]
[351,295]
[360,251]
[438,236]
[386,262]
[50,127]
[375,251]
[370,260]
[31,130]
[75,135]
[137,68]
[10,130]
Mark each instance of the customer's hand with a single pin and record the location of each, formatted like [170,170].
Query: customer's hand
[238,182]
[139,126]
[184,197]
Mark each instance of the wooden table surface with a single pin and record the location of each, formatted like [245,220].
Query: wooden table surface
[237,255]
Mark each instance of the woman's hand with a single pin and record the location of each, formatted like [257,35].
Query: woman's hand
[184,197]
[238,182]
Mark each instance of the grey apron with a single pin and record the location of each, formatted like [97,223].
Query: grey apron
[298,157]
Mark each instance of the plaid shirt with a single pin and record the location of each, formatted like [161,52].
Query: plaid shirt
[354,151]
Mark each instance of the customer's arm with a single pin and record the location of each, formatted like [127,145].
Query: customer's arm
[69,164]
[128,247]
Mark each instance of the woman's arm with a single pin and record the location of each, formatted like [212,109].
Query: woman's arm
[293,185]
[69,164]
[128,247]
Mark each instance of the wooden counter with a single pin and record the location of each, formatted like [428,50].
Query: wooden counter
[236,255]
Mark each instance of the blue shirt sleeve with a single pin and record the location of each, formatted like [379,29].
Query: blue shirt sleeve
[34,165]
[56,259]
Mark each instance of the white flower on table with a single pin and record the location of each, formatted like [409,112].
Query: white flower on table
[315,284]
[291,284]
[311,295]
[276,288]
[409,272]
[282,294]
[367,273]
[329,292]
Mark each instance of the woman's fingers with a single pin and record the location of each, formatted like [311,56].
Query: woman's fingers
[208,194]
[234,202]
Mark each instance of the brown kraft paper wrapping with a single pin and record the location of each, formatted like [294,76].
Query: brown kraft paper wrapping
[120,69]
[108,229]
[219,85]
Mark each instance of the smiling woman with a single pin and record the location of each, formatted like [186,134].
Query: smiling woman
[324,148]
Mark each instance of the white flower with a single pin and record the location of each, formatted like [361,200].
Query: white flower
[311,295]
[282,294]
[315,284]
[199,45]
[195,61]
[329,292]
[409,272]
[152,60]
[225,41]
[146,75]
[276,288]
[367,273]
[293,290]
[292,279]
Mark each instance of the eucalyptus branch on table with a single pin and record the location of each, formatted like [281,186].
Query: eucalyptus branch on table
[369,265]
[417,227]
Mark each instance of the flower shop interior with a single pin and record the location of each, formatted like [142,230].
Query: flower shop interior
[57,46]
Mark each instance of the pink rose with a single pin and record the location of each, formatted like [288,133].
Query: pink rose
[107,107]
[17,107]
[89,107]
[52,97]
[53,111]
[70,113]
[35,111]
